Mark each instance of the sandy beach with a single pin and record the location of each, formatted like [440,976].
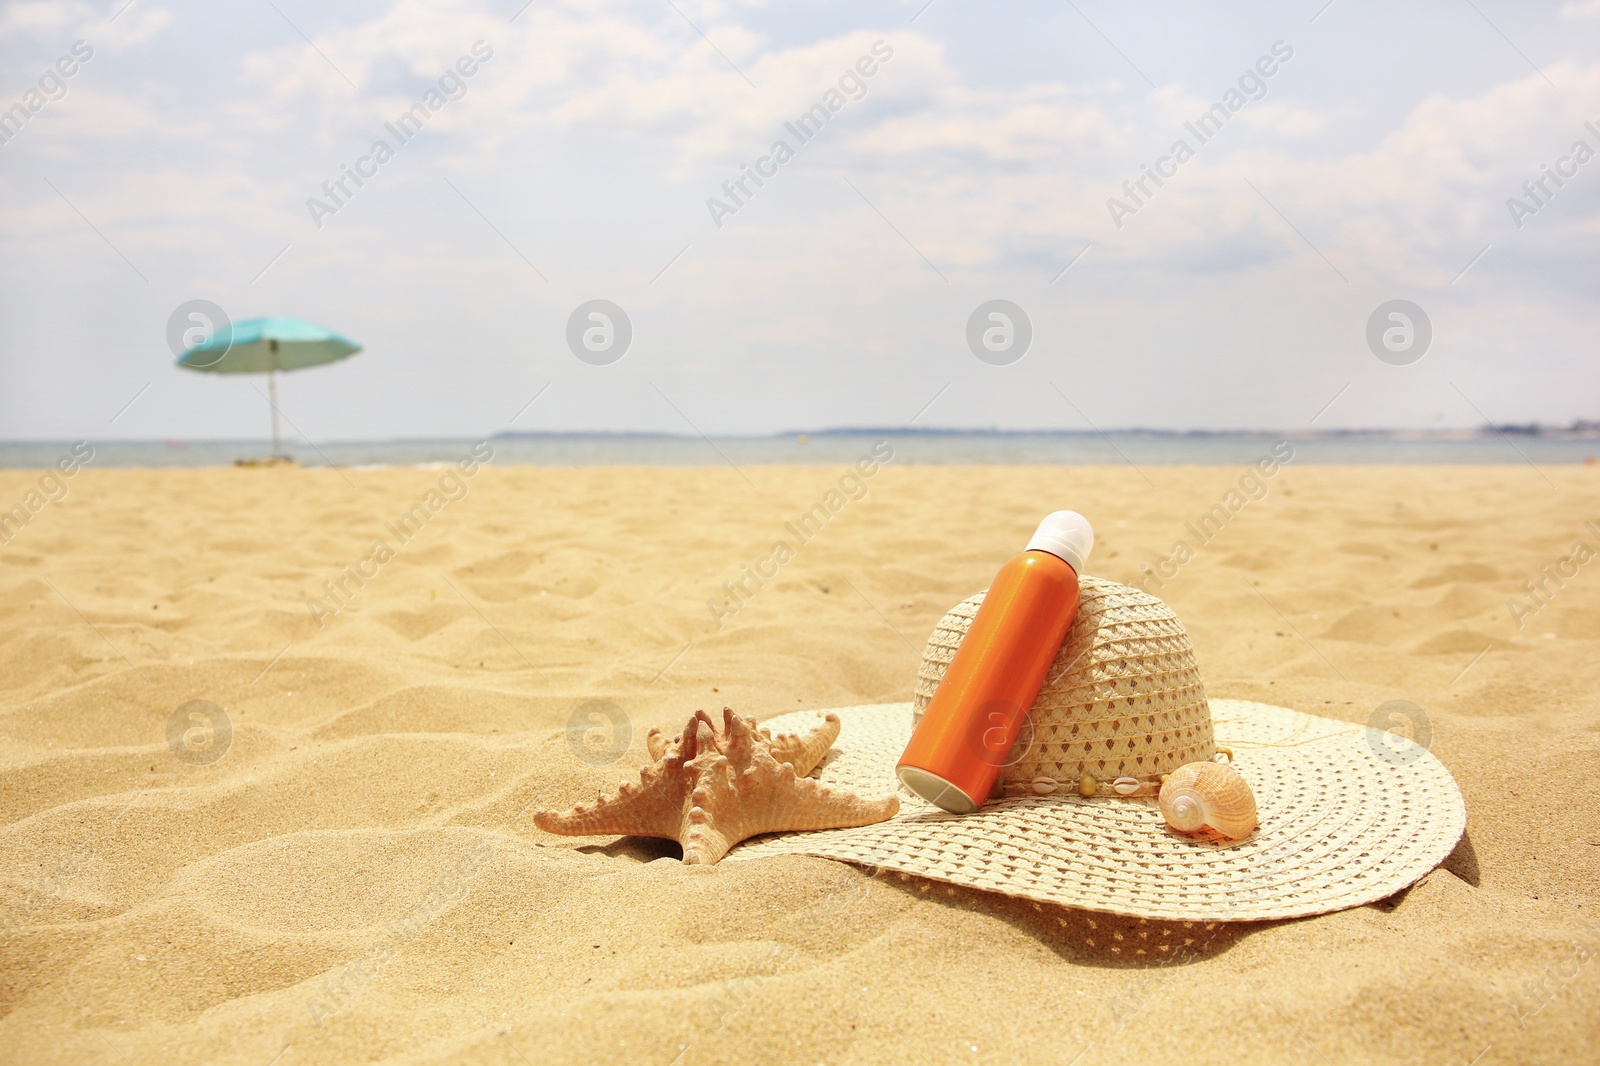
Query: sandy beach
[345,867]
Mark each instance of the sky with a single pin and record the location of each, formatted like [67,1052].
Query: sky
[993,153]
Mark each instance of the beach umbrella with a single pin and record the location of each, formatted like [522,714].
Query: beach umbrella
[266,346]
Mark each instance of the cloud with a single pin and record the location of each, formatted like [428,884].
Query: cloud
[1286,120]
[43,20]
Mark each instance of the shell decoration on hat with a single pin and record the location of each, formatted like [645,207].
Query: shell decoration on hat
[709,789]
[1208,795]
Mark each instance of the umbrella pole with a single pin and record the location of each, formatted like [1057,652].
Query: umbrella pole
[272,392]
[272,401]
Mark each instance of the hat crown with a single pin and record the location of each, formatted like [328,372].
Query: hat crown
[1123,697]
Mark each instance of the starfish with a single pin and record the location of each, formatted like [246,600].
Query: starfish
[710,789]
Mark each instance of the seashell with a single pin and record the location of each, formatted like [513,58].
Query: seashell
[1126,786]
[1044,785]
[1086,785]
[1208,794]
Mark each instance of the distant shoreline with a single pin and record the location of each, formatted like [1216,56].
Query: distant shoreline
[1580,430]
[1137,448]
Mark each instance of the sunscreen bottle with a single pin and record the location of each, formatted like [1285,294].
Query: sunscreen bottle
[961,744]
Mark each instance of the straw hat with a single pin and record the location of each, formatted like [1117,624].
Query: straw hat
[1347,814]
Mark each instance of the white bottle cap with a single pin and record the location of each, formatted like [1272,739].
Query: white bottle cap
[1066,535]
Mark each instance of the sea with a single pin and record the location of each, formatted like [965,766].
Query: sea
[935,447]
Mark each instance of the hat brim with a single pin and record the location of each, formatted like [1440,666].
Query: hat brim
[1348,815]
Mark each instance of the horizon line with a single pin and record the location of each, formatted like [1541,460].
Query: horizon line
[1578,427]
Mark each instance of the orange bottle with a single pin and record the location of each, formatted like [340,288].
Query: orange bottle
[962,742]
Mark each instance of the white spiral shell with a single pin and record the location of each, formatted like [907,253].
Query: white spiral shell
[1208,794]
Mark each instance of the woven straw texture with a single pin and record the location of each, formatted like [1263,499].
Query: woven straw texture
[1122,698]
[1348,814]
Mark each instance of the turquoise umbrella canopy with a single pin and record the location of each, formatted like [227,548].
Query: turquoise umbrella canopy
[263,345]
[266,346]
